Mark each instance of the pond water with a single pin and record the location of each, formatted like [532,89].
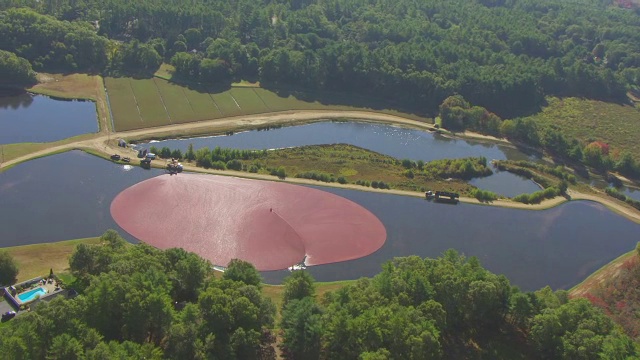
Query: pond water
[398,142]
[631,192]
[36,118]
[505,183]
[68,196]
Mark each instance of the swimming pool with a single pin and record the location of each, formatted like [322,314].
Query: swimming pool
[32,294]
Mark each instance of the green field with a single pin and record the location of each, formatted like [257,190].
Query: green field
[589,120]
[142,103]
[38,259]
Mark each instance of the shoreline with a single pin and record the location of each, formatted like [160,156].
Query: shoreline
[607,271]
[99,144]
[102,145]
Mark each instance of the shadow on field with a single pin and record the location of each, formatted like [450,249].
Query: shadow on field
[320,96]
[341,99]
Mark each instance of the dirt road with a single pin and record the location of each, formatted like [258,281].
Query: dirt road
[218,126]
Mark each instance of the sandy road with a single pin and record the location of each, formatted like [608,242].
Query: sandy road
[100,142]
[219,125]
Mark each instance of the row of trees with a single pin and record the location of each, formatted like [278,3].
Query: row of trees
[138,302]
[613,192]
[458,114]
[448,307]
[465,168]
[503,55]
[52,45]
[15,70]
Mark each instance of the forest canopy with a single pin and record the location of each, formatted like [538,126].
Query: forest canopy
[504,55]
[15,70]
[138,302]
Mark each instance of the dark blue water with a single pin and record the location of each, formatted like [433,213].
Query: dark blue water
[633,193]
[38,118]
[395,141]
[505,183]
[398,142]
[61,197]
[68,196]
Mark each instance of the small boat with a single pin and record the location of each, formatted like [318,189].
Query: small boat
[219,268]
[126,159]
[302,265]
[297,267]
[115,157]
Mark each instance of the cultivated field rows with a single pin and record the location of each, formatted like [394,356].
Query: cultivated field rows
[144,103]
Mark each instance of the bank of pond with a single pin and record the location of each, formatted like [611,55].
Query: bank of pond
[26,117]
[68,196]
[397,142]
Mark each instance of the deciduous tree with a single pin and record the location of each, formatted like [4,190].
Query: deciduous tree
[8,269]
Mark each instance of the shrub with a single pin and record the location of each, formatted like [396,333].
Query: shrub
[523,198]
[316,176]
[408,164]
[176,154]
[484,195]
[538,196]
[383,185]
[613,192]
[165,153]
[234,165]
[218,165]
[279,172]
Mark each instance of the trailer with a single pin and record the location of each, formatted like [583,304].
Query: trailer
[446,197]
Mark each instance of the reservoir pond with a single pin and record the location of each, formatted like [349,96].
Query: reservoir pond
[36,118]
[68,196]
[398,142]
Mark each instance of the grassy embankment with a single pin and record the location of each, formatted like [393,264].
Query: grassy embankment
[354,165]
[36,260]
[74,86]
[143,103]
[601,275]
[589,120]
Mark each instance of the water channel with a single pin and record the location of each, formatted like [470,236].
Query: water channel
[398,142]
[631,192]
[26,117]
[68,196]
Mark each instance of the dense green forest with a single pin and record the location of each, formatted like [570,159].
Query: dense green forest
[504,55]
[138,302]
